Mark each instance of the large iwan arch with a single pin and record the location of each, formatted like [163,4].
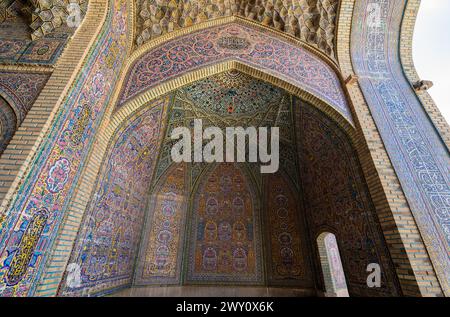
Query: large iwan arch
[92,203]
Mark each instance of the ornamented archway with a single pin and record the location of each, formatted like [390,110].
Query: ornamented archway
[171,63]
[204,260]
[34,32]
[30,192]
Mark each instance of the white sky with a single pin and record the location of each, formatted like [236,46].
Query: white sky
[431,50]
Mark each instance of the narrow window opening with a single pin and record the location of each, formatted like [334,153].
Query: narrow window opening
[330,260]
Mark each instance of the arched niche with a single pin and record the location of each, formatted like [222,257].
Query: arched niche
[99,282]
[337,199]
[313,22]
[161,253]
[186,55]
[107,243]
[225,242]
[8,124]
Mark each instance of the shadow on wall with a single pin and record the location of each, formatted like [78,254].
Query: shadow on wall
[8,123]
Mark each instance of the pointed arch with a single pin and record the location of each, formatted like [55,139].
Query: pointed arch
[115,213]
[225,232]
[173,60]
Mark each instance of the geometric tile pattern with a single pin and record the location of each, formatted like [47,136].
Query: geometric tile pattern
[335,263]
[45,44]
[225,238]
[159,261]
[44,51]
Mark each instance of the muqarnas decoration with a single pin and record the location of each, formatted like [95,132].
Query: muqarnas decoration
[312,21]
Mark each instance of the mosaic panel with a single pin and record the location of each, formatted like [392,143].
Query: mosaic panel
[57,163]
[224,242]
[160,257]
[251,46]
[337,271]
[338,200]
[416,150]
[107,243]
[44,51]
[12,49]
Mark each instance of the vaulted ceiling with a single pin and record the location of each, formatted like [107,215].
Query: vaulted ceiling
[312,21]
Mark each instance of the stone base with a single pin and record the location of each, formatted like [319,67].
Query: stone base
[206,291]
